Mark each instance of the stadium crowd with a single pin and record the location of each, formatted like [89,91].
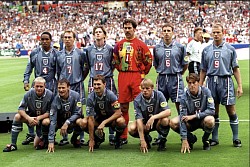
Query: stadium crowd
[22,30]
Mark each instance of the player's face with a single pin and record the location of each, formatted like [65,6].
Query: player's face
[129,31]
[68,39]
[99,87]
[198,35]
[39,88]
[167,33]
[146,91]
[63,90]
[99,34]
[193,87]
[217,34]
[45,41]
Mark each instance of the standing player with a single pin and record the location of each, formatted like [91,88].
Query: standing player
[196,111]
[151,113]
[65,114]
[103,110]
[71,65]
[194,51]
[38,101]
[170,62]
[133,60]
[99,58]
[43,61]
[219,63]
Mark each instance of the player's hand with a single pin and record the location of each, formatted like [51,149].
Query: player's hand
[239,92]
[144,147]
[32,121]
[101,127]
[26,86]
[91,145]
[51,148]
[187,118]
[150,123]
[185,146]
[63,130]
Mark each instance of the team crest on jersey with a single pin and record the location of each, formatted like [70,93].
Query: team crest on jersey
[163,104]
[38,104]
[116,105]
[210,100]
[197,104]
[168,52]
[99,57]
[216,54]
[79,104]
[186,58]
[101,106]
[67,107]
[68,60]
[45,61]
[150,109]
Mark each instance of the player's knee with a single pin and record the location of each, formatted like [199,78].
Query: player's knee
[17,117]
[82,123]
[165,121]
[174,123]
[132,129]
[209,121]
[46,122]
[120,121]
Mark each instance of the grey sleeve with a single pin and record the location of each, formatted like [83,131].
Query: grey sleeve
[183,112]
[53,121]
[209,105]
[28,69]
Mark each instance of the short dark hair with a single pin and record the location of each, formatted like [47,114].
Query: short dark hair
[197,29]
[132,21]
[99,77]
[101,27]
[64,80]
[47,33]
[168,25]
[193,76]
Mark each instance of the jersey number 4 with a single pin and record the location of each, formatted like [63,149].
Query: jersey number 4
[45,70]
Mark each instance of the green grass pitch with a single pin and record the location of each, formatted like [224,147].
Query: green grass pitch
[11,88]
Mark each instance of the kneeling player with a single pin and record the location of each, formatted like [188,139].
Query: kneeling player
[196,111]
[151,113]
[103,110]
[33,110]
[65,114]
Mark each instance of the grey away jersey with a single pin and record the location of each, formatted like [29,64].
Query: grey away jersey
[219,61]
[100,60]
[71,66]
[144,108]
[62,110]
[36,105]
[202,105]
[169,59]
[103,106]
[44,64]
